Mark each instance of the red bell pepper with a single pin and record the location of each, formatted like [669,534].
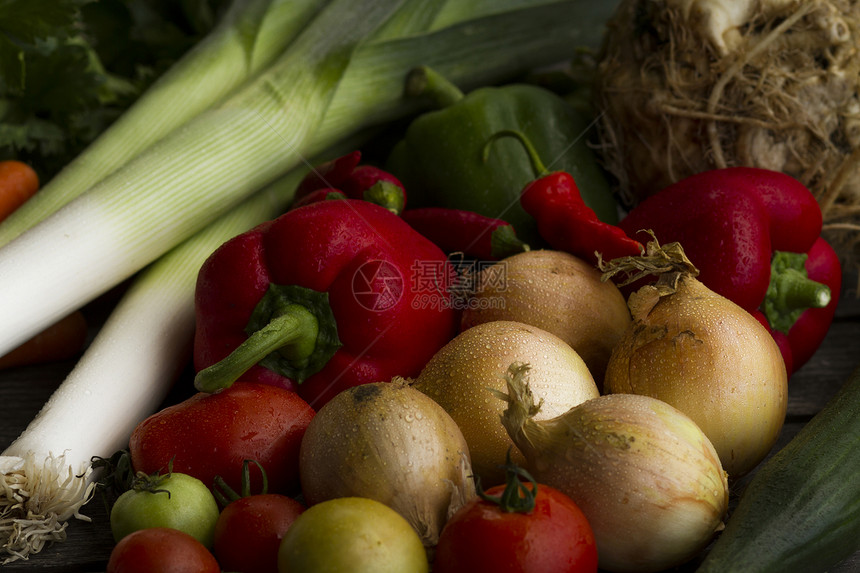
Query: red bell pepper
[754,235]
[467,232]
[327,296]
[563,219]
[356,181]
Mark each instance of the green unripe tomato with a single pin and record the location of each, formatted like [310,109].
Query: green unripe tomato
[351,535]
[175,500]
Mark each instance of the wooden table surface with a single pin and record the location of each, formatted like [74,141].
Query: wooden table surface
[24,390]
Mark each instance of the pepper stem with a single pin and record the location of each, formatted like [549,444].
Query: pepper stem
[386,194]
[293,334]
[504,242]
[424,80]
[534,157]
[791,291]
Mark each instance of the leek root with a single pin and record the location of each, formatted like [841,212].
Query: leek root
[45,475]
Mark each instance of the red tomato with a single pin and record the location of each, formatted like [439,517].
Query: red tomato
[249,530]
[161,549]
[211,435]
[555,536]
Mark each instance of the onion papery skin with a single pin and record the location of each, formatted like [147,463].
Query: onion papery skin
[460,375]
[712,360]
[646,477]
[559,293]
[388,442]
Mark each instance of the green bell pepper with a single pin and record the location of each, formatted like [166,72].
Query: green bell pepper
[444,159]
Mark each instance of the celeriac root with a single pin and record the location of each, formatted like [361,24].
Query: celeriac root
[683,86]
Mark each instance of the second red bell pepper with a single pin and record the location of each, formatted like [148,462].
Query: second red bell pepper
[754,235]
[346,175]
[327,296]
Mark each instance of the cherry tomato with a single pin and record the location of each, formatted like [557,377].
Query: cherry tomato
[210,435]
[174,500]
[161,549]
[249,530]
[352,534]
[554,536]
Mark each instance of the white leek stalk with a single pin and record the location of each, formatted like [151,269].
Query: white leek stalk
[183,181]
[250,36]
[225,154]
[45,475]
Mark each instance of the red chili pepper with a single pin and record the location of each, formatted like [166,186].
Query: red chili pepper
[467,232]
[564,221]
[327,296]
[355,181]
[754,235]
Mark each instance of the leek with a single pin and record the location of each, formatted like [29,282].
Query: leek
[248,38]
[226,153]
[183,181]
[126,372]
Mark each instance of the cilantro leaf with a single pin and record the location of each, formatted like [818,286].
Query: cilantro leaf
[68,68]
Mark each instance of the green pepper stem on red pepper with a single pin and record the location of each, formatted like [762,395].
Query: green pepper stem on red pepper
[791,291]
[292,331]
[289,333]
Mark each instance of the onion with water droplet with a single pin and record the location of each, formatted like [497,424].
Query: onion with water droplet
[559,293]
[704,355]
[460,373]
[644,474]
[388,442]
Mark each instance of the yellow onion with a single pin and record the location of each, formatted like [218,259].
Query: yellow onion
[461,373]
[559,293]
[388,442]
[646,477]
[704,355]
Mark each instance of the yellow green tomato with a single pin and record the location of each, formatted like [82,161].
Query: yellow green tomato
[174,500]
[351,535]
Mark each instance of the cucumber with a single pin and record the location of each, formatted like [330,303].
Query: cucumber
[801,510]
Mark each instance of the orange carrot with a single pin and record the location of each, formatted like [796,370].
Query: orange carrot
[18,182]
[60,341]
